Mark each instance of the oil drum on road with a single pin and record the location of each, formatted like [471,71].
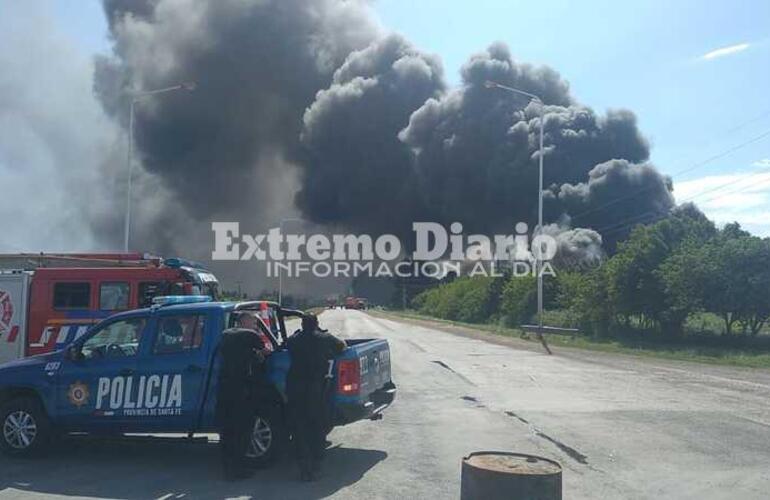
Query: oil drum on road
[498,475]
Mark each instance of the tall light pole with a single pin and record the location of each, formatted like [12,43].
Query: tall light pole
[280,272]
[538,258]
[135,98]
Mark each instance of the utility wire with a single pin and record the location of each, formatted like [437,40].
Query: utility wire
[632,221]
[625,224]
[717,156]
[733,191]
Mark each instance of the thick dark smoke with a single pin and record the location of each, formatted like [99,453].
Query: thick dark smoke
[231,149]
[224,149]
[306,108]
[477,148]
[616,194]
[357,172]
[467,154]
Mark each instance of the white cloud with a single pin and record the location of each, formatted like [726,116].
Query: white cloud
[764,162]
[713,189]
[725,51]
[742,197]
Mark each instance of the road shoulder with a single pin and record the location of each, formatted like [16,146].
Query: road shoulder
[750,375]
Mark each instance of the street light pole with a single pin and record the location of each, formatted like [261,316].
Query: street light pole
[135,98]
[538,258]
[127,222]
[280,272]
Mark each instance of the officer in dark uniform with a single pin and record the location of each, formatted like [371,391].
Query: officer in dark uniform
[241,376]
[311,350]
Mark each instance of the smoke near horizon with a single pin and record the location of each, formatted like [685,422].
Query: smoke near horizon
[311,109]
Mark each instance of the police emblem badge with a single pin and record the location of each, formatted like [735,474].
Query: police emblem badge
[78,394]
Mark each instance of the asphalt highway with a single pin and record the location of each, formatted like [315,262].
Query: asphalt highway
[622,427]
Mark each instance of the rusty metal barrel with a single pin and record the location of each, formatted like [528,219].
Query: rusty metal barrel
[498,475]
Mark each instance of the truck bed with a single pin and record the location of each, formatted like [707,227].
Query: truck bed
[377,390]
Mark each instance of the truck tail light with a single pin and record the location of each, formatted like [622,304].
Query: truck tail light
[348,377]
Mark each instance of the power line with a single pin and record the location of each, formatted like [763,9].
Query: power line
[722,186]
[632,221]
[637,219]
[750,120]
[659,218]
[742,188]
[689,169]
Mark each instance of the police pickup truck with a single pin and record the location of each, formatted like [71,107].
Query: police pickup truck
[128,375]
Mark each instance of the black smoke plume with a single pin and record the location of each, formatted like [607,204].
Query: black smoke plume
[307,106]
[476,148]
[467,154]
[224,149]
[617,195]
[357,172]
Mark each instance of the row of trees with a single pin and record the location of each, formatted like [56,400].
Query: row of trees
[658,278]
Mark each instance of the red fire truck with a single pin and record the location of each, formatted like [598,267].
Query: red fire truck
[48,300]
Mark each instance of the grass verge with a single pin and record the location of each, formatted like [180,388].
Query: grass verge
[637,346]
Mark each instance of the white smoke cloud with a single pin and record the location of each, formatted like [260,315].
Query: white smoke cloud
[54,136]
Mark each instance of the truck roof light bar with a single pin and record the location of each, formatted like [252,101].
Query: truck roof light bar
[176,262]
[168,300]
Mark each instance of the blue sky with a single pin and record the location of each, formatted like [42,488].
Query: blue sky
[645,56]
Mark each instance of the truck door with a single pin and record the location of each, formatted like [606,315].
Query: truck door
[14,291]
[99,389]
[177,358]
[270,316]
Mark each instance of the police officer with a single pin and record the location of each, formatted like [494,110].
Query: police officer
[311,350]
[240,379]
[247,320]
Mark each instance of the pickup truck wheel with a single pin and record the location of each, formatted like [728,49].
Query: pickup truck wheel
[25,430]
[267,441]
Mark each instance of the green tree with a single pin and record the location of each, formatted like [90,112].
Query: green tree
[519,300]
[728,276]
[744,271]
[472,300]
[635,285]
[584,296]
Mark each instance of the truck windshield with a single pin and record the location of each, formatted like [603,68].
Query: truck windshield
[118,339]
[211,289]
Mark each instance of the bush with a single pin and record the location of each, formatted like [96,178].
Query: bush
[519,300]
[471,300]
[584,297]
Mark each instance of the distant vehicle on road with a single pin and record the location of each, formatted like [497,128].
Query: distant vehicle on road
[49,300]
[132,373]
[355,303]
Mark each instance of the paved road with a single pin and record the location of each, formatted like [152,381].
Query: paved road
[622,427]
